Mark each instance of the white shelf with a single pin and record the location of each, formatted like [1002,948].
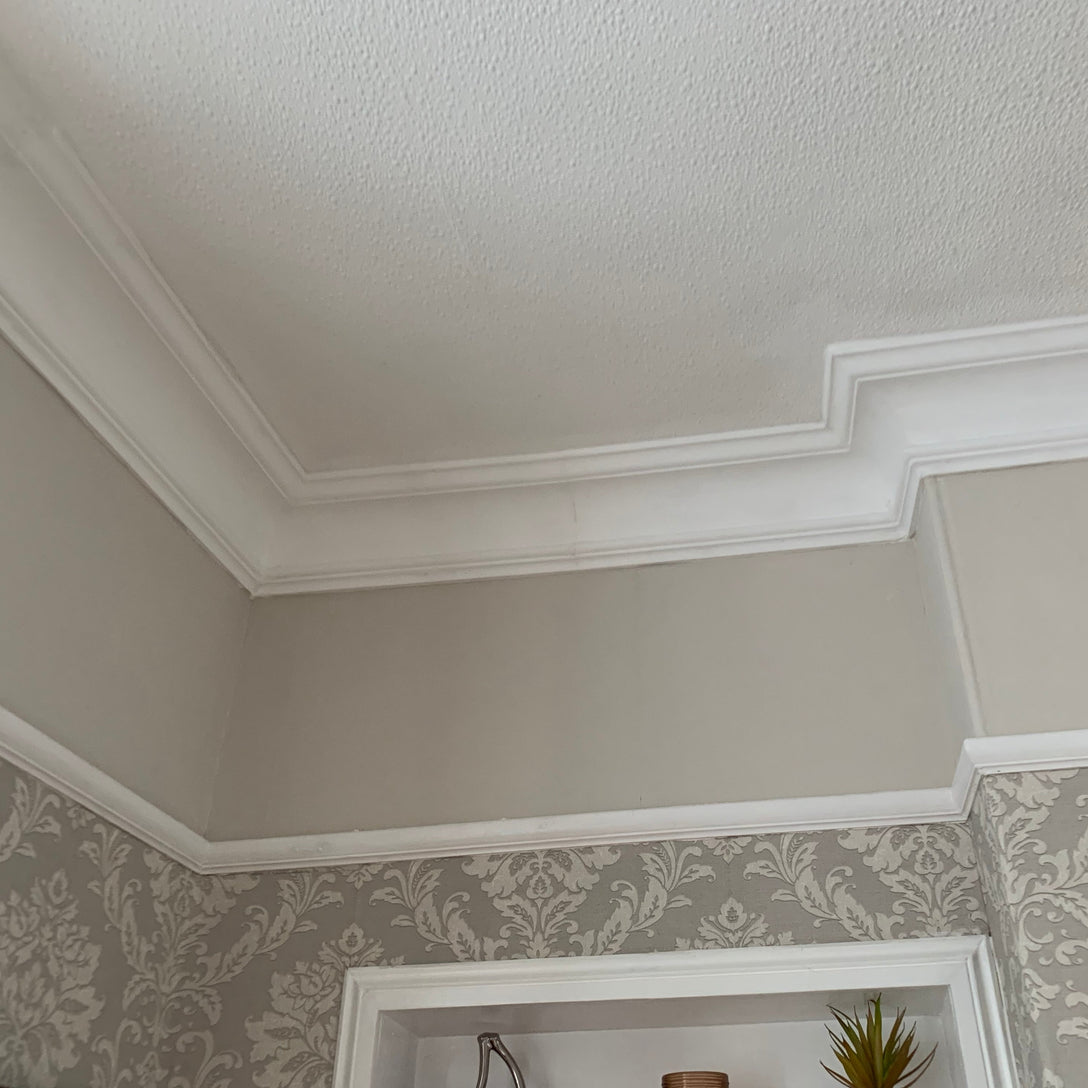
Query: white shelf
[783,1053]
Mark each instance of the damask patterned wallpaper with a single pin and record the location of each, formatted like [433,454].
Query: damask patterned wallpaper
[1032,831]
[121,968]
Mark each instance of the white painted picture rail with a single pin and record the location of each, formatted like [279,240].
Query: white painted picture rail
[963,967]
[29,749]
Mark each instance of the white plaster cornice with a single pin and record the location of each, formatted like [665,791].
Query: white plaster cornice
[122,349]
[27,748]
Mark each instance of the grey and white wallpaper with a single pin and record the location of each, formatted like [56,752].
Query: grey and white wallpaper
[1032,833]
[119,967]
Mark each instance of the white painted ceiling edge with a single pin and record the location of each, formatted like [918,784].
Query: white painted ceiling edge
[81,300]
[27,748]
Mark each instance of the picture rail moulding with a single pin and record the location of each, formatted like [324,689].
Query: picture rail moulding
[29,749]
[130,359]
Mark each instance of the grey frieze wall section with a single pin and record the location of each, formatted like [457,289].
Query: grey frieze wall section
[1032,835]
[119,967]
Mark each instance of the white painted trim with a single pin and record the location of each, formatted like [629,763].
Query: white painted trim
[595,828]
[846,367]
[992,1015]
[897,412]
[46,153]
[1020,752]
[979,756]
[99,351]
[60,769]
[943,603]
[963,966]
[31,750]
[132,361]
[29,342]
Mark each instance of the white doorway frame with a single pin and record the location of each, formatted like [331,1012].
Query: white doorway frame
[963,966]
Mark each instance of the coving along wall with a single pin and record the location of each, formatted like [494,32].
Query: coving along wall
[720,679]
[119,966]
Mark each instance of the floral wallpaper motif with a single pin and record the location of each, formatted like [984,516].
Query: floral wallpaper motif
[119,967]
[1032,831]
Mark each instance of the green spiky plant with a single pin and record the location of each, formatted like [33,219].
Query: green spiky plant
[869,1060]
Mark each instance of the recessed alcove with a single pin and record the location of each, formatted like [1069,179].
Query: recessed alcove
[755,1013]
[761,1042]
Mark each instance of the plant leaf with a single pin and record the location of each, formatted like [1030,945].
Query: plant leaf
[918,1071]
[838,1076]
[869,1059]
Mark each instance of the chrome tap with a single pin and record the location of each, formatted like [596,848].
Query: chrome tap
[490,1041]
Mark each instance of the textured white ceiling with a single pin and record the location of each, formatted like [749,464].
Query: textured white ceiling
[457,228]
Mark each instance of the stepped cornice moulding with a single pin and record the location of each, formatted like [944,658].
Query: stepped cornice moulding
[125,353]
[27,748]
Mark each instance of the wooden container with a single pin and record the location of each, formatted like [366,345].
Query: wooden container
[695,1078]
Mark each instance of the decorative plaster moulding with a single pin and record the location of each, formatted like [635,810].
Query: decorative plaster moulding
[129,358]
[27,748]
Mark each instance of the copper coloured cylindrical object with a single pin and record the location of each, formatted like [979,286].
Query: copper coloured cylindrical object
[695,1078]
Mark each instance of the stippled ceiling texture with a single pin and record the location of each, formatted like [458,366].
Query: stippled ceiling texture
[433,229]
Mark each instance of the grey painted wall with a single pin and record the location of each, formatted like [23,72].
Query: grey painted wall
[767,676]
[1019,541]
[120,635]
[731,679]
